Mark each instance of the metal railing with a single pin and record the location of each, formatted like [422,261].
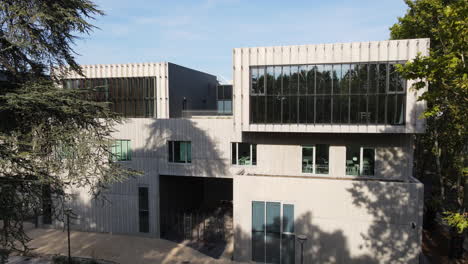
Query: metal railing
[192,113]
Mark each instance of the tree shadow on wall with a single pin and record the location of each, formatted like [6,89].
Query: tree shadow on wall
[321,246]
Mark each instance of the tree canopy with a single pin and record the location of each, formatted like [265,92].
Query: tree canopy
[52,140]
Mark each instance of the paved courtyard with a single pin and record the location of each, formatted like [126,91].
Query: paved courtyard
[119,248]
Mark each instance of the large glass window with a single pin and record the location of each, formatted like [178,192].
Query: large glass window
[224,99]
[131,97]
[360,161]
[315,159]
[180,151]
[358,93]
[143,209]
[121,150]
[244,153]
[273,232]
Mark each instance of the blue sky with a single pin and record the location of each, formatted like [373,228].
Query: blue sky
[201,34]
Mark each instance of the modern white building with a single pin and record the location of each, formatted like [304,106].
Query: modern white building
[312,140]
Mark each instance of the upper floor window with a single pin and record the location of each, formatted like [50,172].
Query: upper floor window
[360,161]
[315,159]
[357,93]
[121,150]
[224,99]
[131,96]
[244,153]
[180,151]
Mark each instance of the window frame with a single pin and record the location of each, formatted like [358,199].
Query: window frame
[282,233]
[361,162]
[116,157]
[171,146]
[314,160]
[250,155]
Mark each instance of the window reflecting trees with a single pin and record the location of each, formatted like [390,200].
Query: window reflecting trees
[356,93]
[131,97]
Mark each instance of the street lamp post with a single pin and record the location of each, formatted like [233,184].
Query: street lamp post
[302,239]
[68,211]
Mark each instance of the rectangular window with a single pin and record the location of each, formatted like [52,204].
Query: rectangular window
[315,159]
[180,151]
[273,232]
[359,93]
[143,209]
[121,150]
[360,161]
[243,153]
[224,99]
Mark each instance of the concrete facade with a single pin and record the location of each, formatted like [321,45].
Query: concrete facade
[347,219]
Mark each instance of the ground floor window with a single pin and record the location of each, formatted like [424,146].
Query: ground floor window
[315,159]
[360,161]
[273,235]
[143,209]
[244,153]
[180,151]
[121,150]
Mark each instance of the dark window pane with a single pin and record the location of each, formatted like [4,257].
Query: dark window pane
[244,154]
[171,153]
[254,80]
[395,81]
[363,78]
[294,81]
[144,221]
[303,109]
[273,229]
[277,113]
[340,109]
[288,218]
[352,160]
[288,249]
[220,92]
[400,109]
[293,108]
[327,77]
[261,108]
[345,78]
[373,78]
[310,109]
[227,92]
[320,78]
[381,106]
[303,80]
[254,154]
[270,80]
[391,111]
[368,161]
[286,80]
[354,109]
[258,231]
[311,79]
[143,198]
[307,159]
[336,78]
[253,109]
[363,114]
[261,80]
[270,114]
[382,78]
[355,86]
[323,108]
[372,108]
[321,159]
[285,108]
[234,153]
[278,78]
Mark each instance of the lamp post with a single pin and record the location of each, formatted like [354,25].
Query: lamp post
[302,239]
[68,211]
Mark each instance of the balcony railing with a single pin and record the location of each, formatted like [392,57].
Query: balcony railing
[195,113]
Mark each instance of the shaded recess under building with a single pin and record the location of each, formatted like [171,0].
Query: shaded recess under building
[197,209]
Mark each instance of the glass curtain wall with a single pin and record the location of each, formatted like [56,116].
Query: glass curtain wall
[131,97]
[355,93]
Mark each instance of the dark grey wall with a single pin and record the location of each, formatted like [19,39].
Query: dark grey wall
[198,88]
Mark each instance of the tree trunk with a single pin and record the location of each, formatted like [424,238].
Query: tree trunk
[438,168]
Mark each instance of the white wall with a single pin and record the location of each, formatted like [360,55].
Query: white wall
[345,221]
[389,50]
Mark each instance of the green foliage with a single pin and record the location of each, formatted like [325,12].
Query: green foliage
[457,220]
[443,76]
[39,120]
